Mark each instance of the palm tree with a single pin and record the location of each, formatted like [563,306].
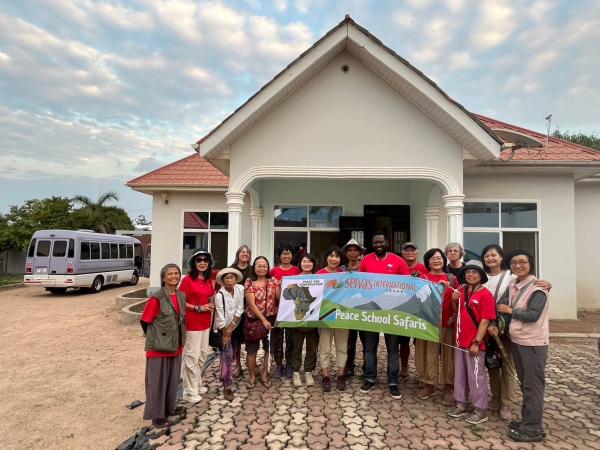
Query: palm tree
[99,216]
[87,202]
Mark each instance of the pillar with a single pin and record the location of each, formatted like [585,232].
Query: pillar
[454,212]
[431,215]
[256,214]
[235,206]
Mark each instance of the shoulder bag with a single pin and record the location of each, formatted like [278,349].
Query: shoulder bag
[254,330]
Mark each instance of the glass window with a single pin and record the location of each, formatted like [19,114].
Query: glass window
[105,247]
[192,241]
[43,248]
[324,216]
[95,250]
[474,241]
[114,251]
[59,249]
[481,214]
[122,251]
[219,220]
[519,215]
[218,249]
[197,220]
[85,250]
[298,240]
[129,251]
[31,250]
[71,249]
[290,216]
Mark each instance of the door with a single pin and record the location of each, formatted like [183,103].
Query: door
[58,261]
[41,262]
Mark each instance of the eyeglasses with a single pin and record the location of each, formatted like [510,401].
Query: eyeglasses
[519,263]
[202,259]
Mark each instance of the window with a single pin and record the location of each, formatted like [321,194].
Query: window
[512,225]
[71,253]
[43,248]
[105,246]
[207,230]
[95,250]
[31,250]
[85,250]
[308,228]
[122,251]
[59,249]
[129,251]
[114,251]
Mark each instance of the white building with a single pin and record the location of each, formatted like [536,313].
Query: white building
[350,138]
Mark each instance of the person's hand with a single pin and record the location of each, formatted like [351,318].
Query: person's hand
[226,338]
[455,294]
[546,285]
[492,330]
[504,309]
[452,320]
[267,324]
[474,349]
[209,307]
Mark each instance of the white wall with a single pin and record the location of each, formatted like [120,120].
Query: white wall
[346,119]
[587,243]
[167,225]
[557,223]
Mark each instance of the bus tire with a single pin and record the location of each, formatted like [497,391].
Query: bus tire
[134,278]
[97,284]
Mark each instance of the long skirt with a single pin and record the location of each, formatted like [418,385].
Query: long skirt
[162,379]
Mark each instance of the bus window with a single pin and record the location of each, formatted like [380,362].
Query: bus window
[31,248]
[71,253]
[85,250]
[129,251]
[43,248]
[114,251]
[59,249]
[95,250]
[122,251]
[105,250]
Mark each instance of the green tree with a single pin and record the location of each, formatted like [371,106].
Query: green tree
[588,140]
[19,224]
[97,216]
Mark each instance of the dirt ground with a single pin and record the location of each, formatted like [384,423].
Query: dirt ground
[67,370]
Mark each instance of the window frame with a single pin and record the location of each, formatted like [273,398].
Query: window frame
[208,230]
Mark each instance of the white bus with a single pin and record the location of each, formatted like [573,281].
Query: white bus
[62,259]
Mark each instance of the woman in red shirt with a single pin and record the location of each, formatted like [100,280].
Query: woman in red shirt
[428,353]
[199,290]
[164,326]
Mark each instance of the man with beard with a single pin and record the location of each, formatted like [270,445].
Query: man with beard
[382,261]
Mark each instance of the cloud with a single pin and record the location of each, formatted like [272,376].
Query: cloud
[495,23]
[403,19]
[280,5]
[438,33]
[460,60]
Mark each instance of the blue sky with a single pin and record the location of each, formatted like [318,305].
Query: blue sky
[94,93]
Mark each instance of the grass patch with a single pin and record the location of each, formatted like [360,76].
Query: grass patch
[10,279]
[138,308]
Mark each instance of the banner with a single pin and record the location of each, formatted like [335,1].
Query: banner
[393,304]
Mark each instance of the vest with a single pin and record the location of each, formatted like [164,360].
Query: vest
[164,332]
[533,334]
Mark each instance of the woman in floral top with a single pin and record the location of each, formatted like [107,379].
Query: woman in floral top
[262,303]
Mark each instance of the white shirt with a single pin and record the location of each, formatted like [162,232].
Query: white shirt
[234,305]
[493,280]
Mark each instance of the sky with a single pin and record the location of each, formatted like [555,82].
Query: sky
[95,93]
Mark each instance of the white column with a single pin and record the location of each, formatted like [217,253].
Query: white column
[431,215]
[454,212]
[235,205]
[256,214]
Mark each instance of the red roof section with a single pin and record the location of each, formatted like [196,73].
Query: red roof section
[555,150]
[192,170]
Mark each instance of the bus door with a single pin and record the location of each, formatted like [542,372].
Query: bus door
[58,261]
[41,258]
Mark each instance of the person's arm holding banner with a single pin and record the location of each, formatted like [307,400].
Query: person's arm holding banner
[250,299]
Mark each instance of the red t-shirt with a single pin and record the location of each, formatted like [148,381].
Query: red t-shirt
[447,309]
[391,264]
[483,306]
[197,292]
[418,267]
[151,311]
[279,273]
[324,270]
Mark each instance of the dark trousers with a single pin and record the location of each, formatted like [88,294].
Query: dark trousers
[298,335]
[530,363]
[278,336]
[352,335]
[162,380]
[392,343]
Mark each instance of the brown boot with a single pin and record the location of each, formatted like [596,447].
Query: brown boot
[228,394]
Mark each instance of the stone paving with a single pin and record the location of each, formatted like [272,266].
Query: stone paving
[284,416]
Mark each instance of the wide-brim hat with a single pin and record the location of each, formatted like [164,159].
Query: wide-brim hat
[474,265]
[352,243]
[199,252]
[227,270]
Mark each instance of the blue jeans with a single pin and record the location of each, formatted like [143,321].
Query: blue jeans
[392,343]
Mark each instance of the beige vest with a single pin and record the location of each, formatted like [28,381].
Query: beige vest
[527,333]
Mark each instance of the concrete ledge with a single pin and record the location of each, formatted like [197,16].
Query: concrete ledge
[575,335]
[129,317]
[8,287]
[128,298]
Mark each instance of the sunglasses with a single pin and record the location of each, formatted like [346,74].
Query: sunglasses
[202,259]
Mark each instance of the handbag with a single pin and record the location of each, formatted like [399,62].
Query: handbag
[215,337]
[503,320]
[254,330]
[493,357]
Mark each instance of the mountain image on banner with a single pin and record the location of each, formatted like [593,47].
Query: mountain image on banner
[429,310]
[371,306]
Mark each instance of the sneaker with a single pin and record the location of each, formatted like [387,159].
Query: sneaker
[202,390]
[367,386]
[457,412]
[289,371]
[395,391]
[505,412]
[278,371]
[514,425]
[310,381]
[477,417]
[341,383]
[193,399]
[228,394]
[326,384]
[521,436]
[297,380]
[425,392]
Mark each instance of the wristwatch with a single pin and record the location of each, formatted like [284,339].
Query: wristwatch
[476,341]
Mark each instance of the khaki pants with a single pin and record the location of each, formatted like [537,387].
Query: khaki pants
[502,380]
[427,361]
[447,336]
[194,356]
[326,335]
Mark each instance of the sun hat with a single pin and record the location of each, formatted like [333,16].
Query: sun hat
[225,271]
[199,252]
[352,243]
[474,265]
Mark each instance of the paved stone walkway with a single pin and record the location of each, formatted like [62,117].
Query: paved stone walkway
[283,416]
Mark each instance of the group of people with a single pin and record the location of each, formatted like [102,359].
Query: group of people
[494,315]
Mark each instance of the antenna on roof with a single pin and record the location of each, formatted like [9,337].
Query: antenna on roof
[549,121]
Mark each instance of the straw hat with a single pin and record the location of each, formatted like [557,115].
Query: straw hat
[225,271]
[353,243]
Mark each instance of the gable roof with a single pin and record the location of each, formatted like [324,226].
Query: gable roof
[554,150]
[398,72]
[190,172]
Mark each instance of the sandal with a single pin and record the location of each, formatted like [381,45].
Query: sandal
[251,384]
[264,380]
[237,372]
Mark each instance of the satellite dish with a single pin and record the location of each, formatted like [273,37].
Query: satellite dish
[520,140]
